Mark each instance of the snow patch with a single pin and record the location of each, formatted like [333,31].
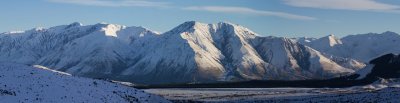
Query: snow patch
[365,71]
[55,71]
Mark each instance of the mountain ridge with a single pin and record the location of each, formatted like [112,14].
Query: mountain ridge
[362,47]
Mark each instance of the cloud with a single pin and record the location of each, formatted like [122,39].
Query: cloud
[360,5]
[243,10]
[114,3]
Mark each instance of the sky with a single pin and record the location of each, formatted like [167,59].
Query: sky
[285,18]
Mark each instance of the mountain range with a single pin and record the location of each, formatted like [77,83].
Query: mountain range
[361,47]
[192,52]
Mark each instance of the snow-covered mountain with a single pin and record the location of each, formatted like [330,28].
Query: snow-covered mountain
[191,52]
[363,47]
[37,84]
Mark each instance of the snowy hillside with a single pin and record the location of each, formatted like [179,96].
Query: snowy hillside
[191,52]
[26,84]
[363,47]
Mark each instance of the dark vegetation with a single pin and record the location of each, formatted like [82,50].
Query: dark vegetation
[6,92]
[386,66]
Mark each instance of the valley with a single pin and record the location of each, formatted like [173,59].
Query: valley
[273,95]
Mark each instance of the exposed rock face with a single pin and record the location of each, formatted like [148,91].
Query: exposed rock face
[386,66]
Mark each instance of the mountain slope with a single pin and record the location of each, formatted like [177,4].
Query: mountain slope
[386,67]
[363,47]
[191,52]
[22,83]
[229,52]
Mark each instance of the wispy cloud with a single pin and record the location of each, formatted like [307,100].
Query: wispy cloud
[148,3]
[244,10]
[360,5]
[114,3]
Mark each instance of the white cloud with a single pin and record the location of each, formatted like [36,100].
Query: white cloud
[361,5]
[114,3]
[243,10]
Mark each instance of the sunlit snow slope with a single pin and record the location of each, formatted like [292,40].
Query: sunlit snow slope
[25,84]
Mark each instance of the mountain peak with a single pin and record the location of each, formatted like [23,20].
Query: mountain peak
[76,24]
[191,22]
[227,23]
[104,24]
[390,33]
[37,29]
[196,23]
[115,30]
[189,25]
[109,29]
[331,39]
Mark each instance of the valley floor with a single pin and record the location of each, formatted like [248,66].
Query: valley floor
[266,95]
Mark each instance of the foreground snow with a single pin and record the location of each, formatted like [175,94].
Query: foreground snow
[21,83]
[278,95]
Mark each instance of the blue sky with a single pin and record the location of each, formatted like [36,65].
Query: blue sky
[289,18]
